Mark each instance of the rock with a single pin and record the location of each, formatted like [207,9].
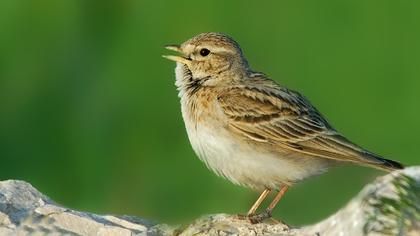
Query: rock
[25,211]
[388,206]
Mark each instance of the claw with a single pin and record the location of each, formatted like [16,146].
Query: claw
[260,217]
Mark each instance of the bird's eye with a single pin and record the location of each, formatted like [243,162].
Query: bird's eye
[204,52]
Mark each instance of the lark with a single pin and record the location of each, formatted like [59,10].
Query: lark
[250,129]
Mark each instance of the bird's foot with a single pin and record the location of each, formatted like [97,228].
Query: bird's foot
[260,217]
[241,217]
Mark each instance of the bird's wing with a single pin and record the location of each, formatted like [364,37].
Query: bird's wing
[263,111]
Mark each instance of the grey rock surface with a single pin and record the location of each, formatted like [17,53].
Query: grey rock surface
[388,206]
[25,211]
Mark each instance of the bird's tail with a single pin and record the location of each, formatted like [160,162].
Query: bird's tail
[384,164]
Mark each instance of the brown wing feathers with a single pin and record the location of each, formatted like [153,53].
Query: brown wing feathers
[283,117]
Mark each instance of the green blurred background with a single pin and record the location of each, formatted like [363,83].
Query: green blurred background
[89,113]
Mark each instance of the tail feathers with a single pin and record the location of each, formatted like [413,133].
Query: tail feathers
[340,148]
[392,165]
[384,164]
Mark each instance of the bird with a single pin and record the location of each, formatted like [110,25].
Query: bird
[252,130]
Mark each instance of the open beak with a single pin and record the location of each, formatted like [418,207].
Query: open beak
[180,59]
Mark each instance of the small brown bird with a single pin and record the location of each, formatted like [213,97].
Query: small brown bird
[251,130]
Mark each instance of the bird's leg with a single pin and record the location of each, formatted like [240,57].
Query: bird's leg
[277,198]
[255,206]
[267,213]
[257,203]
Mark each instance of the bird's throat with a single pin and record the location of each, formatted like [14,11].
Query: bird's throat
[185,82]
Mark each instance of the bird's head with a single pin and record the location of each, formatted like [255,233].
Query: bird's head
[209,55]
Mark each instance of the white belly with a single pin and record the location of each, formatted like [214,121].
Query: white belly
[245,164]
